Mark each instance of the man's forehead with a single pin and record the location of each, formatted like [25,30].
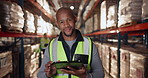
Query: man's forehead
[63,11]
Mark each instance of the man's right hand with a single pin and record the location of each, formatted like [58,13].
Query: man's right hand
[50,70]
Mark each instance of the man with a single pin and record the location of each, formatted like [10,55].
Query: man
[44,42]
[63,48]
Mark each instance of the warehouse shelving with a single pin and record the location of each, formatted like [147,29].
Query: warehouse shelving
[122,32]
[38,9]
[133,28]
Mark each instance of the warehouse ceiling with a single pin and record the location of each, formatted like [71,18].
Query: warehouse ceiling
[73,4]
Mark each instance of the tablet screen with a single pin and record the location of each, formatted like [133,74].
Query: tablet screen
[64,64]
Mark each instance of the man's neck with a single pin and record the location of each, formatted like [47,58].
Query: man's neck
[69,38]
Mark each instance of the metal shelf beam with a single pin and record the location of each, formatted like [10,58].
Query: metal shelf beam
[138,27]
[7,34]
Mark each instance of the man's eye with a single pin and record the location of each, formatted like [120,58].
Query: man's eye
[61,21]
[69,19]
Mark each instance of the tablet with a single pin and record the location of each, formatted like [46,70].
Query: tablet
[64,64]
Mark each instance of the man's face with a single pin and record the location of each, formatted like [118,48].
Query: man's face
[66,22]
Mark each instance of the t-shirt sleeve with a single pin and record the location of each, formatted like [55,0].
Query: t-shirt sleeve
[96,65]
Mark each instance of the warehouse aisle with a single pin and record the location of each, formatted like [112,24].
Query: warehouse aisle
[118,28]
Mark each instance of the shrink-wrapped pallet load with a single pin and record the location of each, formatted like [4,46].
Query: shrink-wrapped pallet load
[46,6]
[49,28]
[38,22]
[138,65]
[29,22]
[42,26]
[124,63]
[11,17]
[31,60]
[106,57]
[34,58]
[27,61]
[16,18]
[133,61]
[35,51]
[88,8]
[103,15]
[4,15]
[98,45]
[108,14]
[112,17]
[5,64]
[89,25]
[100,50]
[107,75]
[129,12]
[114,62]
[96,22]
[145,10]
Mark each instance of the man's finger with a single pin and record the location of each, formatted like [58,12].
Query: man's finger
[67,71]
[48,64]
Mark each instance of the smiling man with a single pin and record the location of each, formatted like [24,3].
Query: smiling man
[66,46]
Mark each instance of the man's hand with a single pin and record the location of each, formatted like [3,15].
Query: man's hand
[77,72]
[50,70]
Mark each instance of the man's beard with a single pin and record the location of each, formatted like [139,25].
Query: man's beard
[68,35]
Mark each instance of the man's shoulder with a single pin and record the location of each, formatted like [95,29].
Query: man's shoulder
[54,39]
[86,37]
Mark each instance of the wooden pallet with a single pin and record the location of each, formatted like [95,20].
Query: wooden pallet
[14,30]
[30,33]
[112,27]
[129,24]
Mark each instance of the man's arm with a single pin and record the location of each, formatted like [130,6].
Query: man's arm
[97,68]
[41,73]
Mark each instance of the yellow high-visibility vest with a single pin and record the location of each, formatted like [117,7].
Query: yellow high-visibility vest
[57,52]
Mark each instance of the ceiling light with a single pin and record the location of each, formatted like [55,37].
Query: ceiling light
[72,7]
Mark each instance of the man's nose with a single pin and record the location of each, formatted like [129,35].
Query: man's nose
[66,23]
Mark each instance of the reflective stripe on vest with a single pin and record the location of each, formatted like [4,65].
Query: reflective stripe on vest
[57,52]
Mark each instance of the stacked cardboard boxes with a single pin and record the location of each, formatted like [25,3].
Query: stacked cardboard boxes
[124,63]
[133,61]
[5,64]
